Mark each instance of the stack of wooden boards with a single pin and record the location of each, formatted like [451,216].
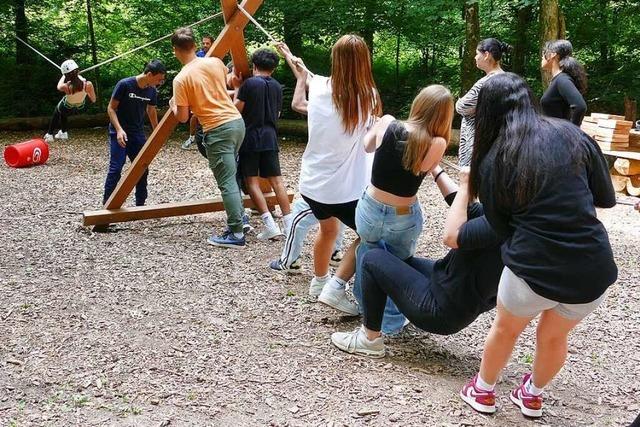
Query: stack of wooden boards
[625,176]
[611,132]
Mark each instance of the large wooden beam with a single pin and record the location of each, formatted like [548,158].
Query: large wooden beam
[233,29]
[237,46]
[190,207]
[235,25]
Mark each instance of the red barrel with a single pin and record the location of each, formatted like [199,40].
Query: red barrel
[28,153]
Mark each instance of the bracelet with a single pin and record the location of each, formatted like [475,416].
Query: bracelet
[438,175]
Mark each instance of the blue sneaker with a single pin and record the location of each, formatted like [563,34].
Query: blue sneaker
[227,240]
[246,227]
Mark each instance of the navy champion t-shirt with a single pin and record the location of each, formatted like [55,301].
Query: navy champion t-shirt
[133,104]
[262,97]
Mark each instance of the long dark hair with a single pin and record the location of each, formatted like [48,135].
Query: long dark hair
[495,47]
[527,146]
[72,78]
[568,64]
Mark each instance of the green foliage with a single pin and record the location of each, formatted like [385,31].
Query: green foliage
[415,43]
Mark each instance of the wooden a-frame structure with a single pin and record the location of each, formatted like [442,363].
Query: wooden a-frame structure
[230,39]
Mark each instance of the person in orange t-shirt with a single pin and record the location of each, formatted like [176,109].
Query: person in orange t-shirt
[201,86]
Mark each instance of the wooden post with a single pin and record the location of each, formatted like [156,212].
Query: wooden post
[630,109]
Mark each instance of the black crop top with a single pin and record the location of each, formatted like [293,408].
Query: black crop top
[388,174]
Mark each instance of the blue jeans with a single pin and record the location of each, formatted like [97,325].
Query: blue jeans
[380,225]
[302,222]
[117,160]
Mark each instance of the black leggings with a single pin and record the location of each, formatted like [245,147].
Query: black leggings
[60,116]
[408,284]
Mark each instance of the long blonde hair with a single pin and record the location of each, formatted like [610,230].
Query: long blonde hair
[355,95]
[430,117]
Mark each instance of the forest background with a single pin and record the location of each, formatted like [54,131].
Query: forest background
[414,43]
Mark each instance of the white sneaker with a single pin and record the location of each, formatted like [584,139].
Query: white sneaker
[270,233]
[48,138]
[315,288]
[356,342]
[337,298]
[62,135]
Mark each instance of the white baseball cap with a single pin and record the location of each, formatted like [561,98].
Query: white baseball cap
[68,66]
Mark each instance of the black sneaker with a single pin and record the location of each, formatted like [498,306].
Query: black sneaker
[295,268]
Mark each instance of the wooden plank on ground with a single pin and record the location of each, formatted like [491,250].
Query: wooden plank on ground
[189,207]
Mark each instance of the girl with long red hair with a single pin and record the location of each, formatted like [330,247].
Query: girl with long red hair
[335,167]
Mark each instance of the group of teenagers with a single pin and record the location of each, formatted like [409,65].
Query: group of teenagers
[521,226]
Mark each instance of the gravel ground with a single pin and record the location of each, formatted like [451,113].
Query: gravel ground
[149,326]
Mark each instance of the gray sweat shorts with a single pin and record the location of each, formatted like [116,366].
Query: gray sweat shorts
[521,301]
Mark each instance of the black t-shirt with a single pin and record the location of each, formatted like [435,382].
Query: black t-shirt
[133,104]
[465,281]
[563,100]
[388,173]
[262,97]
[556,243]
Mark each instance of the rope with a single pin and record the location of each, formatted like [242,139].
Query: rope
[148,44]
[273,39]
[36,51]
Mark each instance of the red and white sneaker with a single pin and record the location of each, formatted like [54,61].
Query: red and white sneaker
[530,405]
[481,400]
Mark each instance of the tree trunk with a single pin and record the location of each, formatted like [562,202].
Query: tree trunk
[399,21]
[23,54]
[471,39]
[94,54]
[292,31]
[520,46]
[369,24]
[552,27]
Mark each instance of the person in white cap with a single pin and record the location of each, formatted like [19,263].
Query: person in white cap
[76,89]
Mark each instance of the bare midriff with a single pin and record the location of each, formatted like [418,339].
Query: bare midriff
[388,198]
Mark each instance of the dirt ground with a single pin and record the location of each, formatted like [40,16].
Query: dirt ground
[150,326]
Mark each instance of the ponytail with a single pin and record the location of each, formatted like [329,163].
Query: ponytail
[574,69]
[495,47]
[74,81]
[568,64]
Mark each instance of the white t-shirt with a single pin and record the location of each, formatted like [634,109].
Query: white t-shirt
[335,168]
